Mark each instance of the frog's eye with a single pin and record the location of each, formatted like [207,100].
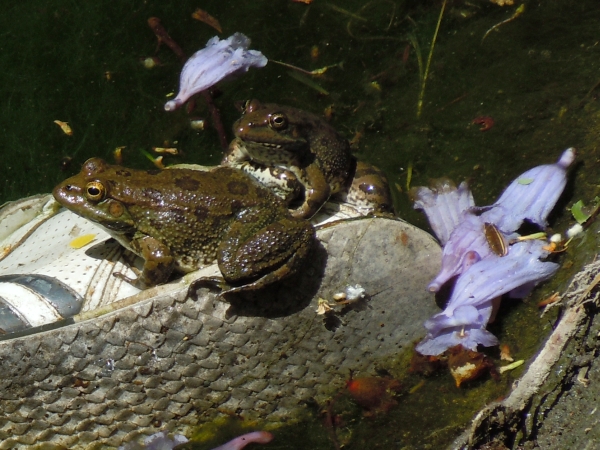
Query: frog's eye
[278,121]
[95,191]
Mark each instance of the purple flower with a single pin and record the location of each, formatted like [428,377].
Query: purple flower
[218,60]
[470,306]
[257,437]
[444,206]
[483,274]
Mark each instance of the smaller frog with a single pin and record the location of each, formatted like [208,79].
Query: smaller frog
[182,219]
[300,142]
[300,156]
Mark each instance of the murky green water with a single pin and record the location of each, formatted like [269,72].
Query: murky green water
[537,77]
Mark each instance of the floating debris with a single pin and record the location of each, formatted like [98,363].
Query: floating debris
[64,126]
[169,150]
[197,124]
[466,365]
[520,10]
[505,353]
[374,394]
[205,17]
[118,154]
[307,81]
[150,62]
[511,366]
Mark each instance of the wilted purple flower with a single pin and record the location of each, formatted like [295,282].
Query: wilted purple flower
[530,197]
[218,60]
[483,274]
[470,305]
[444,206]
[536,190]
[161,441]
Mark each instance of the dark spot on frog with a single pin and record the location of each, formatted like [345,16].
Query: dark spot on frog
[201,213]
[178,216]
[156,224]
[153,171]
[152,194]
[187,183]
[236,205]
[238,188]
[123,173]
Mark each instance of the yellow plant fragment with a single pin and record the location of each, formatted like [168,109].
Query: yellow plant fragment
[82,241]
[64,126]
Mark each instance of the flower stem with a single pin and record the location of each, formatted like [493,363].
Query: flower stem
[425,75]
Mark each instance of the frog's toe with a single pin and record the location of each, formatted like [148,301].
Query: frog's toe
[217,283]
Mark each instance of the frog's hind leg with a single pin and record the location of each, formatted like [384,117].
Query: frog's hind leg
[273,253]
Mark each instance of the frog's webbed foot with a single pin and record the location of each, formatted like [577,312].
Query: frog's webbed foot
[277,275]
[213,283]
[219,284]
[158,263]
[133,281]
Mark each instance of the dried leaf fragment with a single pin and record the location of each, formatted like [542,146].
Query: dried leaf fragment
[205,17]
[170,150]
[505,353]
[511,366]
[323,306]
[118,154]
[64,126]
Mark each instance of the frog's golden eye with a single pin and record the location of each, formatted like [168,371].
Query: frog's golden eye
[95,191]
[278,121]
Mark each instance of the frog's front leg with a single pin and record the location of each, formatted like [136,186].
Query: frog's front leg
[252,257]
[158,262]
[316,191]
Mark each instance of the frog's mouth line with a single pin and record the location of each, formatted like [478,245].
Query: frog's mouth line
[289,145]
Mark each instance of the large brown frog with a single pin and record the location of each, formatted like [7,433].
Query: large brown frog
[182,219]
[299,155]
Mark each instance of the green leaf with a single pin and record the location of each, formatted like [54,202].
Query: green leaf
[578,214]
